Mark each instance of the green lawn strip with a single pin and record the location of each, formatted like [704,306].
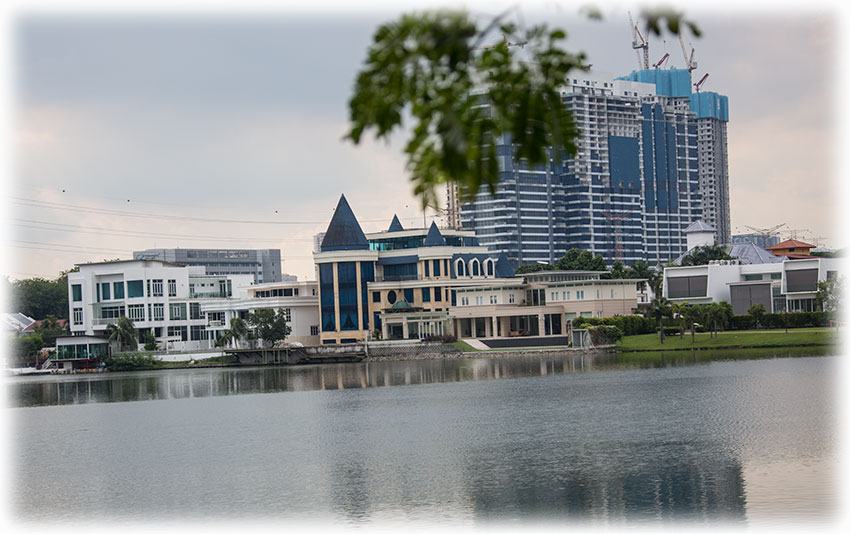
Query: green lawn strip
[464,346]
[748,338]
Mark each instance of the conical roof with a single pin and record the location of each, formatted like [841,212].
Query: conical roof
[503,267]
[434,237]
[395,226]
[344,232]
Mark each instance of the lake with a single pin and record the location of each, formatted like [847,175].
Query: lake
[712,437]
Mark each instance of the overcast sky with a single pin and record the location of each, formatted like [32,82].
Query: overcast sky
[240,116]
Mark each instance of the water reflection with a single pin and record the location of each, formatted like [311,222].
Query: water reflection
[206,382]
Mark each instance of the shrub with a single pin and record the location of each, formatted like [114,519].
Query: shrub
[671,330]
[629,325]
[131,361]
[742,322]
[440,339]
[604,334]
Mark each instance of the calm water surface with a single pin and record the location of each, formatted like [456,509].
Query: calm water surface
[744,437]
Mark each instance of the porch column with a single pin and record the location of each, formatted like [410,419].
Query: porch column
[494,328]
[404,331]
[385,331]
[541,324]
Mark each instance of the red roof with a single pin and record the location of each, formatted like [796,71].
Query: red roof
[791,243]
[63,323]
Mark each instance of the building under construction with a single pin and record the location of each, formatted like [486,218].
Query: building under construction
[651,160]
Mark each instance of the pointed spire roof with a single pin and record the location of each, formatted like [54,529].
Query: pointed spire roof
[434,237]
[395,226]
[504,269]
[344,232]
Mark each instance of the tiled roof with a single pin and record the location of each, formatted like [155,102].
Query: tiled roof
[790,243]
[700,226]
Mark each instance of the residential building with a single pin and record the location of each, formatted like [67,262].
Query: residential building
[160,297]
[637,182]
[785,285]
[264,265]
[700,234]
[792,249]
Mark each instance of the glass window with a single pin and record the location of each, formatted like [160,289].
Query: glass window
[511,298]
[158,312]
[78,316]
[326,283]
[438,294]
[136,312]
[177,312]
[391,297]
[198,333]
[135,289]
[436,267]
[347,287]
[314,330]
[105,291]
[426,293]
[156,288]
[195,310]
[118,290]
[376,296]
[172,288]
[77,292]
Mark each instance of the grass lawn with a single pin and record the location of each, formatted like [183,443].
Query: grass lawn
[744,338]
[464,346]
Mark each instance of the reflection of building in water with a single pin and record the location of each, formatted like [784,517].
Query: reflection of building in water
[652,481]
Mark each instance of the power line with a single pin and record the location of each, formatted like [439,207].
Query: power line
[100,231]
[72,247]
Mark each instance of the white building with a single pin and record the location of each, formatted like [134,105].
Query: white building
[159,297]
[788,285]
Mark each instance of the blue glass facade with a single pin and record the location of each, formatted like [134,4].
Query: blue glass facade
[347,295]
[326,289]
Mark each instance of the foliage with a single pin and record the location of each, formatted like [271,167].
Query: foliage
[462,96]
[660,308]
[703,255]
[39,298]
[629,325]
[828,297]
[757,311]
[604,334]
[533,268]
[131,361]
[581,260]
[269,325]
[124,333]
[26,347]
[49,330]
[147,338]
[440,339]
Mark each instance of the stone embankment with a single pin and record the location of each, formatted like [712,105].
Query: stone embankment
[438,351]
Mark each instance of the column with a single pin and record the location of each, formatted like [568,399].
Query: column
[404,331]
[494,329]
[385,331]
[541,324]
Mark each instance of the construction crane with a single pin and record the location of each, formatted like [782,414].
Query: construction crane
[689,61]
[795,233]
[644,44]
[504,41]
[661,61]
[700,82]
[615,222]
[766,232]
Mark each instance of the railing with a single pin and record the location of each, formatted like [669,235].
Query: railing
[98,321]
[215,323]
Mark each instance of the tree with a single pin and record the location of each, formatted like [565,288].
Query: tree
[238,330]
[533,268]
[461,96]
[757,311]
[681,312]
[703,255]
[27,347]
[618,271]
[271,327]
[124,333]
[581,260]
[828,296]
[659,309]
[49,330]
[148,339]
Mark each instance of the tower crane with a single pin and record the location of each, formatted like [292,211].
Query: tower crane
[700,82]
[766,232]
[661,61]
[643,44]
[689,61]
[505,41]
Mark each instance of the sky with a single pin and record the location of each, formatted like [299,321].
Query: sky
[206,129]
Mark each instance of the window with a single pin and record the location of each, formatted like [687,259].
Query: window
[287,314]
[158,312]
[118,290]
[77,292]
[511,298]
[612,293]
[460,268]
[580,295]
[490,269]
[172,288]
[479,301]
[776,276]
[156,290]
[104,290]
[408,295]
[493,299]
[78,316]
[464,301]
[314,330]
[111,312]
[751,277]
[427,269]
[598,295]
[195,310]
[198,332]
[426,293]
[391,297]
[376,296]
[436,267]
[475,267]
[136,312]
[177,312]
[175,331]
[438,294]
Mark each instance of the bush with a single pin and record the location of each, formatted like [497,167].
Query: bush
[777,320]
[742,322]
[604,334]
[629,325]
[671,330]
[131,361]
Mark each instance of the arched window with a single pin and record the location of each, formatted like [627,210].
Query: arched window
[460,268]
[475,267]
[489,267]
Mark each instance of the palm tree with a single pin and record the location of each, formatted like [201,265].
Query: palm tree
[124,333]
[238,330]
[659,309]
[680,311]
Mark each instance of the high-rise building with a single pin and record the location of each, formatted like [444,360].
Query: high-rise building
[264,264]
[632,189]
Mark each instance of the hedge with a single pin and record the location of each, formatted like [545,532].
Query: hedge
[629,325]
